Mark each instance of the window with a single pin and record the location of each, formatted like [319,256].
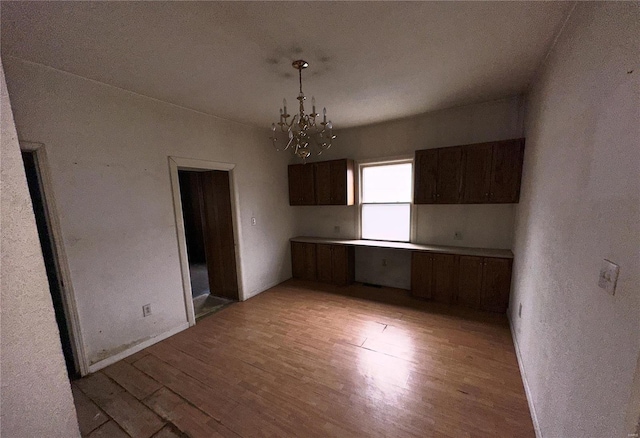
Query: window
[386,201]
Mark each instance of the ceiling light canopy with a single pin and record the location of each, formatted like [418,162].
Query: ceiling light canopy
[303,132]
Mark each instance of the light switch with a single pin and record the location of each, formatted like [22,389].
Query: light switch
[608,276]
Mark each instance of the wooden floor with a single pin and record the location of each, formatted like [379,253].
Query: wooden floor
[311,360]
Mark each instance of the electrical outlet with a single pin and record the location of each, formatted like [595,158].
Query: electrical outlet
[253,221]
[457,235]
[520,311]
[608,276]
[146,310]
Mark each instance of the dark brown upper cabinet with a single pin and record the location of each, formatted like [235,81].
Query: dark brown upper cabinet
[302,184]
[449,178]
[437,177]
[330,182]
[506,171]
[323,182]
[334,182]
[483,173]
[425,176]
[477,173]
[492,172]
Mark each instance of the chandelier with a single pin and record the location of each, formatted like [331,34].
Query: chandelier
[303,131]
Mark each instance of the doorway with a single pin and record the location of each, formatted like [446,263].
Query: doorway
[209,236]
[51,261]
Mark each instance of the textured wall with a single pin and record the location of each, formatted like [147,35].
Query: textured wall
[580,204]
[107,149]
[489,226]
[36,395]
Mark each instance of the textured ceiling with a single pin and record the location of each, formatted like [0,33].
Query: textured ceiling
[369,61]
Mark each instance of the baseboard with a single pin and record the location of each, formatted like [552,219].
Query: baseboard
[141,346]
[527,391]
[262,289]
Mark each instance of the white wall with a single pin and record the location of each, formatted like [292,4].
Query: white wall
[580,204]
[482,226]
[108,151]
[36,395]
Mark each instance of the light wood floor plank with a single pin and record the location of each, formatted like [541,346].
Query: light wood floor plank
[131,379]
[90,416]
[134,417]
[314,360]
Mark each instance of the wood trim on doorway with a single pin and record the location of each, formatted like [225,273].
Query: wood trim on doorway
[68,296]
[180,163]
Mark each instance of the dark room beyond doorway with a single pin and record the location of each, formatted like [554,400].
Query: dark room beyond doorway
[208,224]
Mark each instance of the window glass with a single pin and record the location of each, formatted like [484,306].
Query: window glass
[386,201]
[388,183]
[386,221]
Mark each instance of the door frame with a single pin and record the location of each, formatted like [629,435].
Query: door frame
[180,163]
[62,265]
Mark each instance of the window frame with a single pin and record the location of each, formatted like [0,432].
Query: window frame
[362,164]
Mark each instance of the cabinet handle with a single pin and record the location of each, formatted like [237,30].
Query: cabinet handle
[486,194]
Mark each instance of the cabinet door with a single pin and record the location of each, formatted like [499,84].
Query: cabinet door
[323,183]
[476,179]
[324,262]
[342,266]
[425,176]
[295,184]
[421,274]
[341,182]
[506,171]
[496,283]
[308,184]
[444,275]
[301,184]
[303,260]
[449,175]
[470,281]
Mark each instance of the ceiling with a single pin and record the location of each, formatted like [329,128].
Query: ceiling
[369,62]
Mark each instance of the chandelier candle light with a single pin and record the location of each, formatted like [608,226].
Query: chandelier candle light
[303,131]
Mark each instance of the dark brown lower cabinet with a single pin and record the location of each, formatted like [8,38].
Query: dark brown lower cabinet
[422,274]
[496,283]
[343,265]
[484,283]
[481,283]
[469,281]
[303,260]
[336,264]
[433,276]
[476,282]
[333,264]
[444,278]
[324,257]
